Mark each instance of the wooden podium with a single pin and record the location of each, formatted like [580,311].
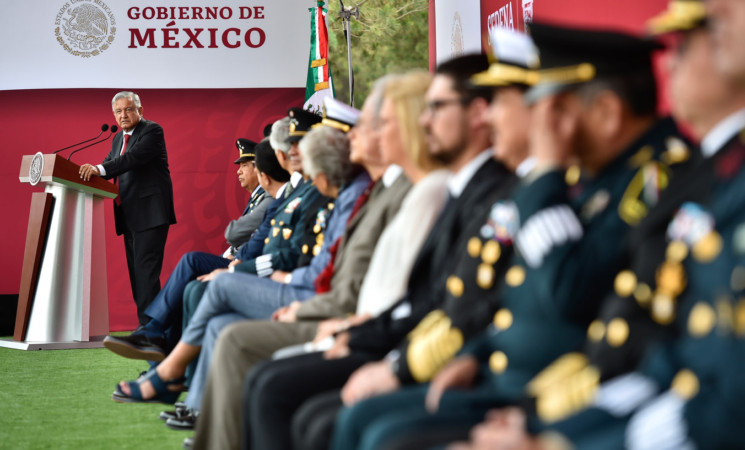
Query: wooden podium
[63,297]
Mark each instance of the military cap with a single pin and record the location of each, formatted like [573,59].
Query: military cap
[300,123]
[268,129]
[571,57]
[680,15]
[245,150]
[338,115]
[266,162]
[513,58]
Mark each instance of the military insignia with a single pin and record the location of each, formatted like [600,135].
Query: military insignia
[320,224]
[677,151]
[685,384]
[738,239]
[690,224]
[643,191]
[595,205]
[617,332]
[498,362]
[708,247]
[701,320]
[503,319]
[641,157]
[503,222]
[293,205]
[286,233]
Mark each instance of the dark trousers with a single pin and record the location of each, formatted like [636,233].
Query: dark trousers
[274,390]
[144,250]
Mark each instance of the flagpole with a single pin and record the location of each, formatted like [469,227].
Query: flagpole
[346,17]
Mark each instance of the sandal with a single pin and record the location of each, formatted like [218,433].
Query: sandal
[162,393]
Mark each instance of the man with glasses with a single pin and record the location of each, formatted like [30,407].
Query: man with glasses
[144,210]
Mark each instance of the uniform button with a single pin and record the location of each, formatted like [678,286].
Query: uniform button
[685,384]
[485,276]
[708,247]
[305,249]
[503,319]
[618,332]
[275,232]
[317,229]
[676,251]
[572,175]
[316,250]
[455,286]
[515,276]
[491,252]
[330,206]
[596,330]
[643,294]
[671,278]
[266,241]
[701,320]
[273,222]
[474,247]
[663,309]
[498,362]
[625,283]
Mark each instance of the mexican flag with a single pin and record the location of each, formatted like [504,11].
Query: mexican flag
[319,83]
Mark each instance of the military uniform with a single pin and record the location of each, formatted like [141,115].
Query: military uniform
[315,229]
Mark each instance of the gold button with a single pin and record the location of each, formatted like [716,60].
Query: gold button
[491,252]
[305,249]
[273,222]
[455,286]
[503,319]
[625,283]
[275,231]
[316,229]
[474,247]
[701,319]
[708,247]
[663,309]
[485,276]
[676,251]
[685,384]
[319,239]
[498,362]
[596,330]
[330,206]
[281,223]
[618,332]
[515,276]
[572,175]
[671,278]
[266,241]
[316,250]
[643,294]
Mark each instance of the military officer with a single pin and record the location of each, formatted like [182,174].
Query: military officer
[585,110]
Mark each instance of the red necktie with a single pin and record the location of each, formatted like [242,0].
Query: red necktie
[118,199]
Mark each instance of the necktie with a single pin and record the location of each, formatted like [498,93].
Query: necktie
[288,190]
[118,199]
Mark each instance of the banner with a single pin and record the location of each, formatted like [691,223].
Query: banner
[510,14]
[153,44]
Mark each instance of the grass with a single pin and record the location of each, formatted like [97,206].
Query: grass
[61,399]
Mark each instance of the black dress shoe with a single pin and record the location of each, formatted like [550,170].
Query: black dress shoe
[186,422]
[179,411]
[137,346]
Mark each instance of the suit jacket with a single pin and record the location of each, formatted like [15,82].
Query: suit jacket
[428,280]
[145,187]
[355,252]
[240,230]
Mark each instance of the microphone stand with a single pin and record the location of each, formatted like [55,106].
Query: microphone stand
[113,132]
[346,17]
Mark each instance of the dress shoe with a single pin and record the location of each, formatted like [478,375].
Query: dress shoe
[179,411]
[186,422]
[137,346]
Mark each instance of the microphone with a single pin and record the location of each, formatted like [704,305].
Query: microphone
[104,127]
[114,129]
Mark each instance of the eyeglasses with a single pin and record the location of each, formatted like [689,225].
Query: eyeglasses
[436,105]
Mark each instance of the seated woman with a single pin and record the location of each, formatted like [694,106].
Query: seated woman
[332,172]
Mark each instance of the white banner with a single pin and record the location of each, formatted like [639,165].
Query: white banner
[154,44]
[458,28]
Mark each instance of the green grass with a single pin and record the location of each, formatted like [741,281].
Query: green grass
[62,399]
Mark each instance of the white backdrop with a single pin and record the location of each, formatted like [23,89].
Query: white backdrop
[458,25]
[154,44]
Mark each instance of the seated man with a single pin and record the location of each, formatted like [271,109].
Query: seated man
[192,264]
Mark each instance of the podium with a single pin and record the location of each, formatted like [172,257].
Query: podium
[63,297]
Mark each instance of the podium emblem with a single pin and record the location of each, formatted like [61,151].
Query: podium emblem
[37,167]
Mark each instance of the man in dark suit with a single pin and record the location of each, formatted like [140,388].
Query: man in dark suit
[144,211]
